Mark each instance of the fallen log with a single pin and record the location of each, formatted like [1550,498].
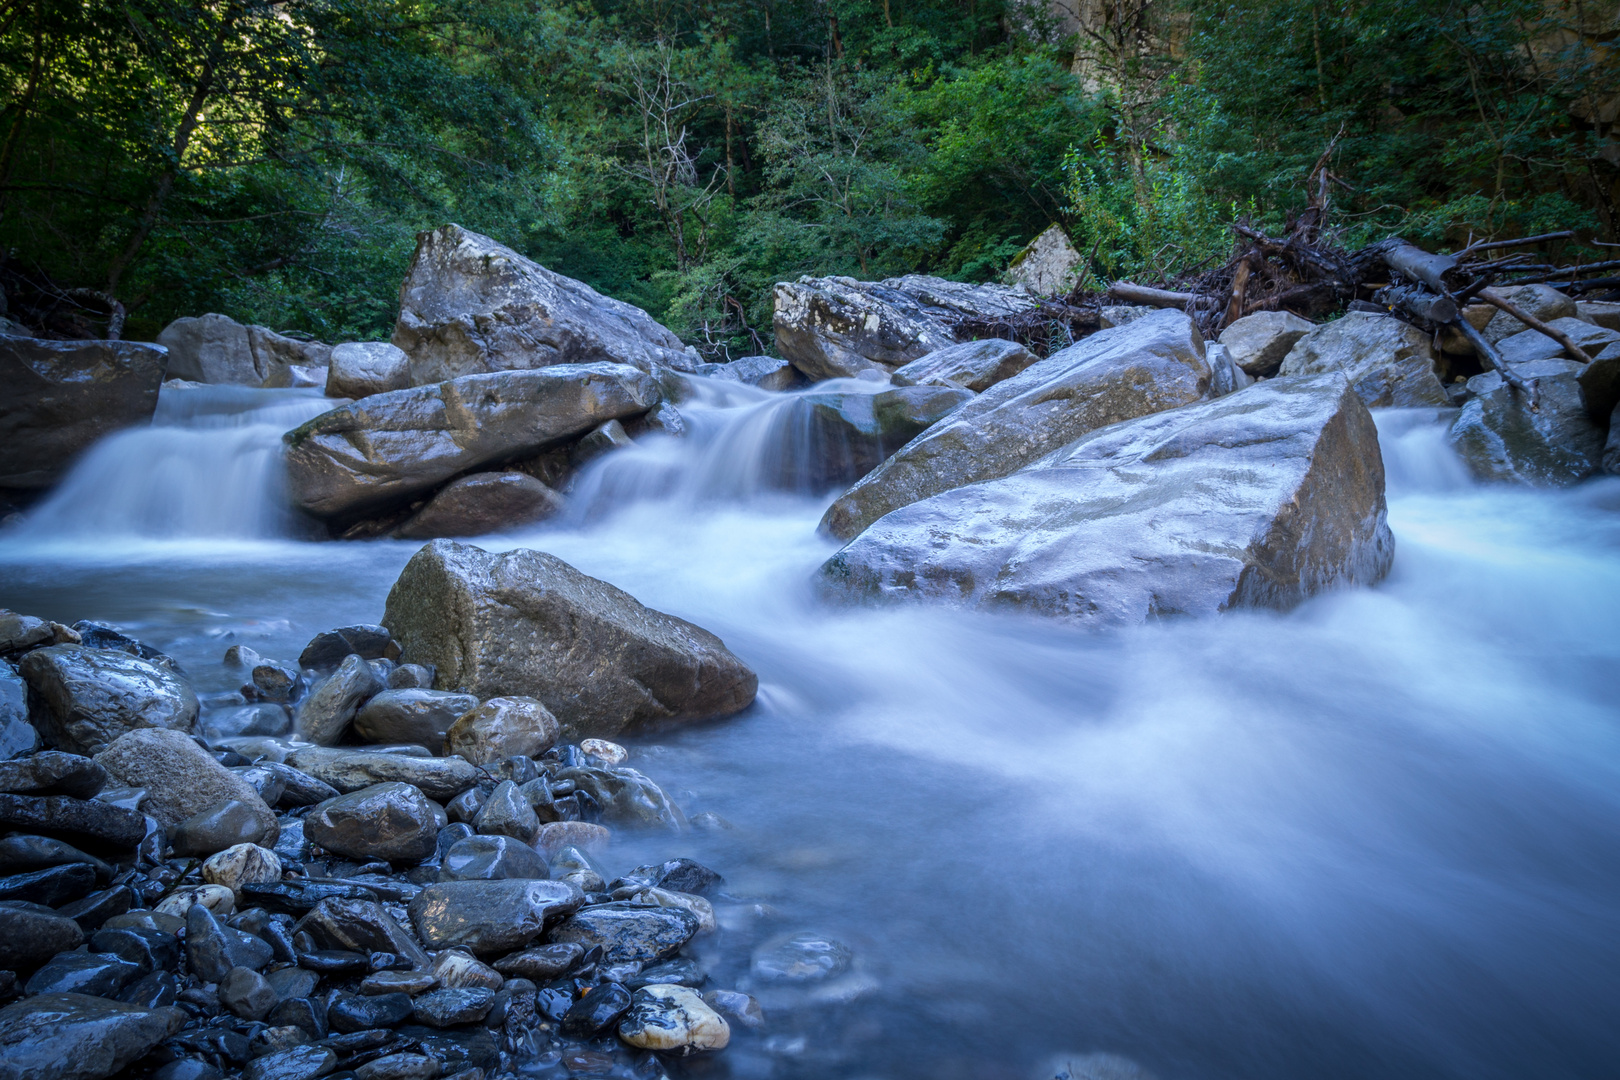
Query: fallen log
[1493,359]
[1131,293]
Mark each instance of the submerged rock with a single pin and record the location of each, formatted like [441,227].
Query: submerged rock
[483,503]
[1260,499]
[526,623]
[1389,362]
[673,1020]
[90,697]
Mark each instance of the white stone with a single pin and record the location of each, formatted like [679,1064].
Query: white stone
[673,1020]
[1048,266]
[216,898]
[1259,342]
[244,864]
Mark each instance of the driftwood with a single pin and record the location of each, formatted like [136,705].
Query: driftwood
[1131,293]
[1502,302]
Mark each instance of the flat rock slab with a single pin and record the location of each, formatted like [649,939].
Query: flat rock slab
[351,770]
[1390,363]
[78,1037]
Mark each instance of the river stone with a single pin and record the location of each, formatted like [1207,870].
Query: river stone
[1049,265]
[77,1037]
[976,365]
[457,968]
[180,778]
[243,864]
[677,875]
[585,835]
[673,1020]
[1258,343]
[89,697]
[63,396]
[596,1012]
[1503,441]
[298,788]
[1153,364]
[489,918]
[399,1067]
[73,819]
[483,503]
[391,821]
[299,1063]
[223,825]
[411,716]
[29,935]
[52,773]
[800,958]
[504,727]
[453,1005]
[526,623]
[218,350]
[18,632]
[765,372]
[695,906]
[20,851]
[507,813]
[52,886]
[300,896]
[247,994]
[350,770]
[1531,345]
[628,932]
[840,437]
[96,974]
[150,950]
[327,711]
[1260,499]
[470,305]
[17,736]
[330,648]
[215,898]
[361,368]
[1538,301]
[363,926]
[542,963]
[213,949]
[1389,362]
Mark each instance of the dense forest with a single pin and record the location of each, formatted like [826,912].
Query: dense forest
[273,159]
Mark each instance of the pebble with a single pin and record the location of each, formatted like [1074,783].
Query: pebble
[366,640]
[673,1020]
[299,1063]
[52,772]
[355,1012]
[588,837]
[507,813]
[299,897]
[242,864]
[455,968]
[541,963]
[152,990]
[464,807]
[453,1005]
[96,974]
[503,727]
[676,875]
[598,1010]
[247,994]
[216,898]
[737,1007]
[52,886]
[23,852]
[151,950]
[608,753]
[399,1067]
[273,681]
[298,788]
[213,949]
[629,932]
[490,858]
[72,819]
[223,825]
[30,935]
[392,821]
[489,917]
[362,926]
[398,982]
[681,971]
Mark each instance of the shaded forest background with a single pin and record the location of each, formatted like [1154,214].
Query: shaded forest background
[273,159]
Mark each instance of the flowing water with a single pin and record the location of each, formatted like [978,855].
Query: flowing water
[1376,836]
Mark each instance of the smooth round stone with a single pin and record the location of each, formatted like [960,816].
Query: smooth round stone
[399,1067]
[152,990]
[507,813]
[217,828]
[397,982]
[98,907]
[213,949]
[247,994]
[141,919]
[609,753]
[676,875]
[407,676]
[411,716]
[488,858]
[587,836]
[490,917]
[673,1020]
[187,1069]
[453,1006]
[464,808]
[30,935]
[597,1011]
[541,964]
[354,1012]
[152,950]
[242,864]
[802,957]
[680,971]
[216,898]
[456,969]
[96,974]
[501,728]
[628,932]
[392,821]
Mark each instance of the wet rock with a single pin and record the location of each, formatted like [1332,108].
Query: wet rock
[409,676]
[19,852]
[52,773]
[470,305]
[440,779]
[801,958]
[363,926]
[677,875]
[53,886]
[1258,343]
[503,727]
[1530,345]
[181,779]
[493,858]
[847,434]
[1260,499]
[77,1037]
[330,648]
[221,826]
[274,682]
[73,819]
[1092,1067]
[399,1067]
[218,350]
[489,917]
[527,623]
[596,1012]
[96,974]
[18,632]
[680,971]
[214,898]
[1388,362]
[247,721]
[356,1012]
[1502,440]
[389,821]
[456,1049]
[299,1063]
[483,503]
[246,993]
[1225,377]
[1600,389]
[397,982]
[628,932]
[384,450]
[450,1007]
[1154,364]
[411,716]
[17,735]
[673,1020]
[213,949]
[507,813]
[243,864]
[737,1008]
[457,969]
[153,990]
[30,935]
[336,963]
[361,368]
[300,897]
[541,963]
[90,697]
[587,836]
[298,788]
[765,372]
[150,950]
[95,909]
[1539,301]
[976,365]
[625,796]
[325,714]
[63,396]
[696,906]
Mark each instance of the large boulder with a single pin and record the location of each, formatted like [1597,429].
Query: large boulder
[1152,364]
[384,449]
[1600,383]
[1389,362]
[1048,266]
[471,305]
[217,349]
[1503,440]
[482,503]
[526,624]
[180,778]
[837,438]
[1259,499]
[977,365]
[1538,301]
[1259,342]
[61,396]
[90,697]
[363,368]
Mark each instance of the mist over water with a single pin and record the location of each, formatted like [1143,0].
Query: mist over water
[1376,836]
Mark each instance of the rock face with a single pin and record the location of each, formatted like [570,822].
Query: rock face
[61,396]
[482,503]
[1260,499]
[1154,363]
[77,1037]
[470,305]
[1502,440]
[1259,342]
[384,449]
[1389,362]
[218,349]
[845,436]
[181,778]
[977,365]
[525,623]
[362,368]
[1048,265]
[92,696]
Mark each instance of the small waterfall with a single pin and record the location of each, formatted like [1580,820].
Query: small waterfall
[1417,457]
[209,466]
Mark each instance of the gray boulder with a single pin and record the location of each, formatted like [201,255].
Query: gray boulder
[363,368]
[1259,342]
[62,396]
[389,821]
[1528,345]
[1048,266]
[490,918]
[525,623]
[839,438]
[217,349]
[78,1037]
[1538,301]
[350,770]
[765,372]
[501,728]
[421,717]
[384,449]
[977,365]
[1153,364]
[1389,362]
[482,503]
[89,697]
[1600,387]
[181,779]
[1260,499]
[471,305]
[1503,440]
[1604,313]
[1225,377]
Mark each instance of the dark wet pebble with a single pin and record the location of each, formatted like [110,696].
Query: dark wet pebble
[357,1012]
[335,962]
[453,1005]
[212,948]
[96,974]
[94,910]
[31,934]
[73,819]
[541,963]
[299,1063]
[676,875]
[53,886]
[490,858]
[151,990]
[681,971]
[597,1011]
[629,932]
[52,772]
[153,950]
[299,897]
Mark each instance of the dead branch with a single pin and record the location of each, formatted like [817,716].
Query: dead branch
[1141,294]
[1499,301]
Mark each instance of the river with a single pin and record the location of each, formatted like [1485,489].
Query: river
[1376,836]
